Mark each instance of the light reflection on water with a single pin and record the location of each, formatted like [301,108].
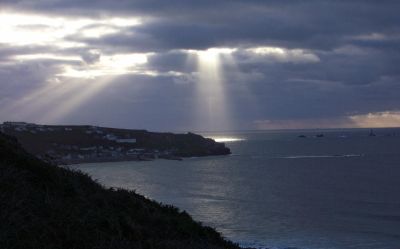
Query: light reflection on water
[261,198]
[226,139]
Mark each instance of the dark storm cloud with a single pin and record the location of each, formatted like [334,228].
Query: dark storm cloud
[347,64]
[309,24]
[172,61]
[200,24]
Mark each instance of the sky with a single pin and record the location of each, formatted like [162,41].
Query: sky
[185,65]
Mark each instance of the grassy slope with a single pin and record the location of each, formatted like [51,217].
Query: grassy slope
[43,206]
[186,145]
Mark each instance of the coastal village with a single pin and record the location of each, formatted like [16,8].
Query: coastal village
[78,144]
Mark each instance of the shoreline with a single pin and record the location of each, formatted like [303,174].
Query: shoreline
[63,144]
[110,159]
[53,207]
[132,159]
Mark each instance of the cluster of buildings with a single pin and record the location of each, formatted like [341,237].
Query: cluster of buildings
[21,126]
[31,127]
[71,154]
[75,144]
[76,154]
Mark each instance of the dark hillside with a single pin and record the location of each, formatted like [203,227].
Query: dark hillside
[63,144]
[44,206]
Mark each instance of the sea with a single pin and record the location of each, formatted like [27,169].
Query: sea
[297,189]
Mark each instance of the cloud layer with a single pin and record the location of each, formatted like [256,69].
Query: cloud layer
[137,63]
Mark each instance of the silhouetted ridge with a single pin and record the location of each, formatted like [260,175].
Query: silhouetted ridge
[66,144]
[44,206]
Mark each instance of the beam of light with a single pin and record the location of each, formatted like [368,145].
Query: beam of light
[212,108]
[73,86]
[28,106]
[40,107]
[241,82]
[51,102]
[75,96]
[80,76]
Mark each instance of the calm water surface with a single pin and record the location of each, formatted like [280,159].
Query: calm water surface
[278,190]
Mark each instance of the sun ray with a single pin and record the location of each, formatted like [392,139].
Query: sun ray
[38,107]
[73,86]
[240,82]
[30,105]
[212,107]
[78,94]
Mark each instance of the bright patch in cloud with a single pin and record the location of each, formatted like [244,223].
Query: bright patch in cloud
[27,57]
[100,66]
[284,55]
[97,32]
[211,52]
[26,29]
[370,37]
[370,120]
[108,65]
[123,60]
[377,119]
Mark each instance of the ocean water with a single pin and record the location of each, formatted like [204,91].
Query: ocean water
[280,191]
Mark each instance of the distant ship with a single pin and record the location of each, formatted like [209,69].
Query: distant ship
[371,133]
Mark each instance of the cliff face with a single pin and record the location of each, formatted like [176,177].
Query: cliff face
[66,144]
[44,206]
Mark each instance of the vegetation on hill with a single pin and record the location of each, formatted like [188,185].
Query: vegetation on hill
[75,144]
[44,206]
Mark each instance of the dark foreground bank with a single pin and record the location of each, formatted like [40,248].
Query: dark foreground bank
[44,206]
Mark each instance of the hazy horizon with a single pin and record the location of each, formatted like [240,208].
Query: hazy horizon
[217,131]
